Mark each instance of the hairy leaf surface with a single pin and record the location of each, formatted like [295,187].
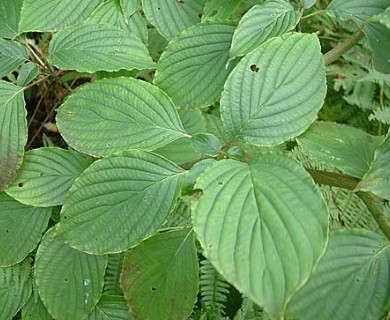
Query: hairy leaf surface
[122,199]
[69,282]
[51,15]
[348,149]
[193,68]
[21,229]
[92,47]
[262,22]
[172,17]
[351,281]
[275,92]
[263,225]
[160,282]
[12,55]
[112,115]
[46,175]
[13,131]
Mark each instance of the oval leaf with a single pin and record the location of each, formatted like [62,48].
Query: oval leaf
[46,176]
[21,229]
[9,18]
[15,288]
[263,225]
[112,115]
[13,131]
[123,199]
[161,281]
[50,15]
[348,149]
[262,22]
[12,55]
[377,178]
[193,68]
[351,281]
[91,47]
[69,282]
[172,17]
[275,92]
[206,144]
[27,73]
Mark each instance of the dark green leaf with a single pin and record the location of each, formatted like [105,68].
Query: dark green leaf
[206,144]
[27,73]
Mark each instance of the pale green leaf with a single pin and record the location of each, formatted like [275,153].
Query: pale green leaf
[180,151]
[129,7]
[15,288]
[383,18]
[13,131]
[351,281]
[206,144]
[122,199]
[308,3]
[160,282]
[193,68]
[9,18]
[51,15]
[348,149]
[219,9]
[138,26]
[116,114]
[382,115]
[358,10]
[69,282]
[192,175]
[27,73]
[378,37]
[275,92]
[110,307]
[46,175]
[170,17]
[91,47]
[263,225]
[377,178]
[262,22]
[12,55]
[21,229]
[34,309]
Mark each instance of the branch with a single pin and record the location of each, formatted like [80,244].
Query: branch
[343,47]
[334,179]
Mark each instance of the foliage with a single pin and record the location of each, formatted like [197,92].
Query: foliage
[165,160]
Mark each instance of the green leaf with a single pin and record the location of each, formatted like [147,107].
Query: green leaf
[112,115]
[307,3]
[69,282]
[129,7]
[358,10]
[378,37]
[9,18]
[161,281]
[263,225]
[383,18]
[122,199]
[193,174]
[110,308]
[236,153]
[12,55]
[111,277]
[34,309]
[27,73]
[13,131]
[180,151]
[21,229]
[275,92]
[219,9]
[377,178]
[52,15]
[206,144]
[351,281]
[262,22]
[91,47]
[193,68]
[15,288]
[46,175]
[172,17]
[348,149]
